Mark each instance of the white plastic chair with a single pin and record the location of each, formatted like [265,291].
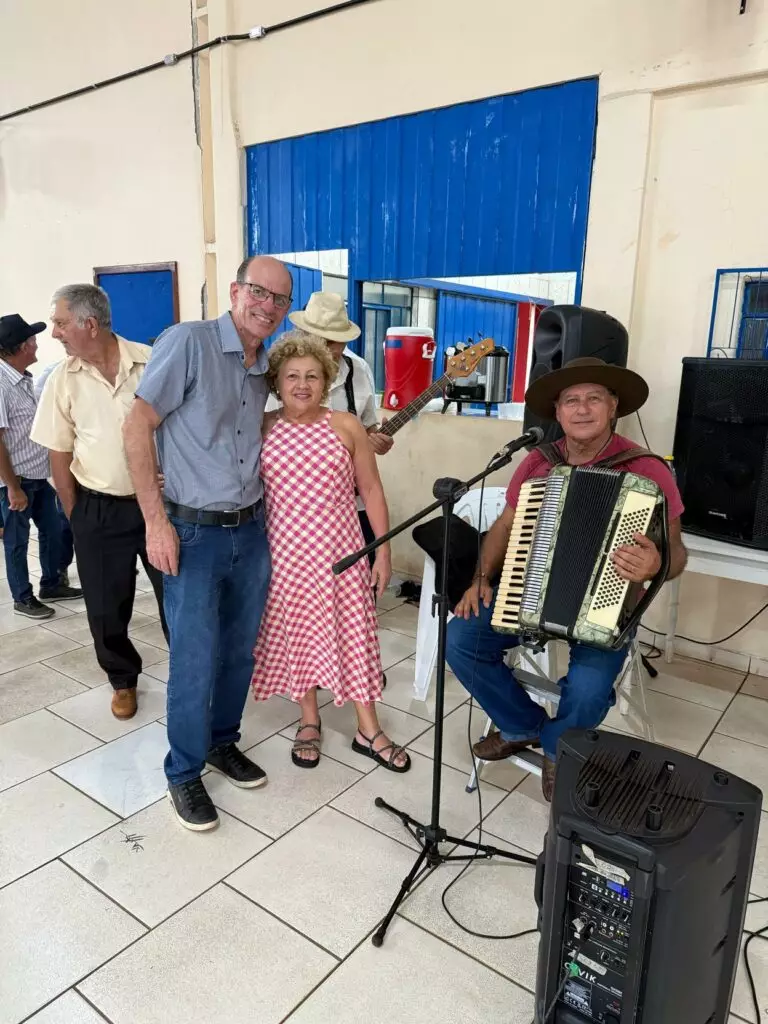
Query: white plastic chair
[547,693]
[468,508]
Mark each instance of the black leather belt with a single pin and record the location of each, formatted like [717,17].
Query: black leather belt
[103,494]
[235,517]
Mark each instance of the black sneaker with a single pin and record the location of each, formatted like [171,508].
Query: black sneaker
[33,609]
[192,806]
[238,768]
[60,593]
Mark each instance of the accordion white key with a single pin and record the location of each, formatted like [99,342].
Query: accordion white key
[558,580]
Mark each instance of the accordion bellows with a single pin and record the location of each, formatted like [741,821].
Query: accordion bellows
[558,580]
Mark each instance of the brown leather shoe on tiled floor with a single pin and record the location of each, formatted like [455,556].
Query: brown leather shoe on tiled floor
[494,748]
[124,703]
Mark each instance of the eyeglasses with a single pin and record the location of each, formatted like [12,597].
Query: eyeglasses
[262,294]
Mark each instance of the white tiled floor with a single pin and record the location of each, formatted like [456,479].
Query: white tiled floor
[110,911]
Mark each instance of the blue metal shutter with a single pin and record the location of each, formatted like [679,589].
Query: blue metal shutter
[496,186]
[465,318]
[305,281]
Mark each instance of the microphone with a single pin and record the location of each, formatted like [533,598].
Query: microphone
[533,436]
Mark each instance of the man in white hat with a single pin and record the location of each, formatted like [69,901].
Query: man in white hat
[354,390]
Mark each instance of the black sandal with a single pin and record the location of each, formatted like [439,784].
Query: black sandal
[385,762]
[299,745]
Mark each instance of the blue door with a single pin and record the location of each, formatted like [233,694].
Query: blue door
[305,281]
[144,302]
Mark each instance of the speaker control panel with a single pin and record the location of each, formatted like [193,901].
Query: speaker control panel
[600,895]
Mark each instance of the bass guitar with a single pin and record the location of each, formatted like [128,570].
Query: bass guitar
[460,365]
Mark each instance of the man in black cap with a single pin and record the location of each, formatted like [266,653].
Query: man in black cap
[25,493]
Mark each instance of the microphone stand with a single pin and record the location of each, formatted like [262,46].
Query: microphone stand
[447,491]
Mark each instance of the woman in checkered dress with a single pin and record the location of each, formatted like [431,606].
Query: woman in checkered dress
[319,629]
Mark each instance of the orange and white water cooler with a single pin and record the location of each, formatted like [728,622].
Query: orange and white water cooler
[409,354]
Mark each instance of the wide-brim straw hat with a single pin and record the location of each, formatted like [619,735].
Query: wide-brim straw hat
[629,387]
[325,315]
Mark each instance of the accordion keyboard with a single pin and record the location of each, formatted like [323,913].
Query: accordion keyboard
[507,606]
[546,526]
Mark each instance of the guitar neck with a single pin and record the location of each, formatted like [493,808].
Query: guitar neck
[405,415]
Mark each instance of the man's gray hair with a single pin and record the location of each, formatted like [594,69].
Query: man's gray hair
[87,300]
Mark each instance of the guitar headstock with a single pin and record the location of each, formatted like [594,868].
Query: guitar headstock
[465,362]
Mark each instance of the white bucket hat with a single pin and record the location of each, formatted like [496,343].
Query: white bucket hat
[326,316]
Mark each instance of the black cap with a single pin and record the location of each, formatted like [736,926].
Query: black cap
[14,331]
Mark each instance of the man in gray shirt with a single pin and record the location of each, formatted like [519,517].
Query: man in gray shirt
[202,400]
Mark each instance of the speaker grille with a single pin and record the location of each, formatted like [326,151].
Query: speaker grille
[721,449]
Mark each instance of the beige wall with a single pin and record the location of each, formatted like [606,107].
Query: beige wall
[677,187]
[431,447]
[109,178]
[706,206]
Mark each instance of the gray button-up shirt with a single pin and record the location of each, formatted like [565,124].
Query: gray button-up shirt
[17,413]
[209,442]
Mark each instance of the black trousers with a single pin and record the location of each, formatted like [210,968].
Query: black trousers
[109,538]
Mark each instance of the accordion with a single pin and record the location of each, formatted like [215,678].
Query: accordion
[558,580]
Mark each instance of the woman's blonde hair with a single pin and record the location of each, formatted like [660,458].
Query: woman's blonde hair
[299,345]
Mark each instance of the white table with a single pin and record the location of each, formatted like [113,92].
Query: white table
[714,558]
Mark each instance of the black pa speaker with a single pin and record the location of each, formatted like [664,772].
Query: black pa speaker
[721,449]
[572,332]
[642,885]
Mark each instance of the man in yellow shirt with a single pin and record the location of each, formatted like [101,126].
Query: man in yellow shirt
[80,419]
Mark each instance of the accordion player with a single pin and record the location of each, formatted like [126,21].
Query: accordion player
[558,580]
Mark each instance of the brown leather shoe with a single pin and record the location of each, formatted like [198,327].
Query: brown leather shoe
[548,779]
[124,704]
[494,748]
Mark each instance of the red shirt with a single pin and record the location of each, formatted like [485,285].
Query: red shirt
[535,465]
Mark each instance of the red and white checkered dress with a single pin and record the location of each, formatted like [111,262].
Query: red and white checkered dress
[318,629]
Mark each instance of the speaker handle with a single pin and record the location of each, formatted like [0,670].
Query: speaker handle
[657,582]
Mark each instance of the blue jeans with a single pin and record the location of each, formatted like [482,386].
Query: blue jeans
[41,509]
[586,691]
[213,609]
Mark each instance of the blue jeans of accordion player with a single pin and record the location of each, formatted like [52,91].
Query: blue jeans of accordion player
[475,653]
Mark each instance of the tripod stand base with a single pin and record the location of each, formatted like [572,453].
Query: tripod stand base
[431,857]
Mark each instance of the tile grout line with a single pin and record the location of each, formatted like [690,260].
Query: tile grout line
[106,895]
[93,1006]
[366,938]
[149,931]
[82,842]
[61,718]
[286,924]
[471,956]
[72,988]
[722,716]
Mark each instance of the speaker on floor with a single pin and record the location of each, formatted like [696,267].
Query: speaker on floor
[721,449]
[642,885]
[572,332]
